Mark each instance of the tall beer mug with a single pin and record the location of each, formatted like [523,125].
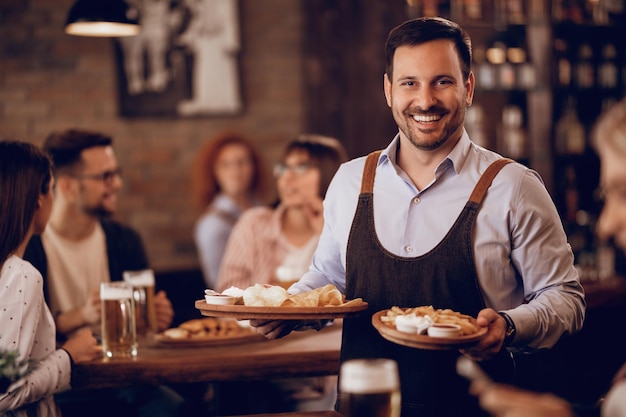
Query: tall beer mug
[143,296]
[119,337]
[369,388]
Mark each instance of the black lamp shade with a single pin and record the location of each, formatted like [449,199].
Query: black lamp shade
[104,18]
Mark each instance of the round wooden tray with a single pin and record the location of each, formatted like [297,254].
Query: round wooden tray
[423,341]
[240,337]
[278,313]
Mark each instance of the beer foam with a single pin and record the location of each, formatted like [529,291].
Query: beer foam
[108,292]
[144,278]
[361,376]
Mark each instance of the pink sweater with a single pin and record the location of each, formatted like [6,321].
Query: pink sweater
[255,249]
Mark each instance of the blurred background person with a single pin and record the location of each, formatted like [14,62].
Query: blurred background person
[275,245]
[27,325]
[81,247]
[609,141]
[227,180]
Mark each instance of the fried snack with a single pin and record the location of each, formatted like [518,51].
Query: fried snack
[265,295]
[448,316]
[205,328]
[274,296]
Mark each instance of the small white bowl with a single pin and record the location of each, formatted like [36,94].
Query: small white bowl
[444,330]
[220,299]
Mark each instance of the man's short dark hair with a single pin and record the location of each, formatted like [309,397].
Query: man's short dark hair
[65,147]
[425,29]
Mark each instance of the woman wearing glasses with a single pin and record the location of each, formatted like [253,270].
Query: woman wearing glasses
[275,245]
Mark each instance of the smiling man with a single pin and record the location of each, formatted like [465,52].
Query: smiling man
[434,219]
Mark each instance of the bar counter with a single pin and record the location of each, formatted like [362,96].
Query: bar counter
[299,354]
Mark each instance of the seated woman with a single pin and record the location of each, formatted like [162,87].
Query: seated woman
[26,324]
[275,245]
[227,180]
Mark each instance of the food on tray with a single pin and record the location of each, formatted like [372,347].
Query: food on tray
[439,316]
[265,295]
[206,328]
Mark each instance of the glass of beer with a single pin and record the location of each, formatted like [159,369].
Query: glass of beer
[119,337]
[143,296]
[369,388]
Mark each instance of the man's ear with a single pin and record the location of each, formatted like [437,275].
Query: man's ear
[387,87]
[66,186]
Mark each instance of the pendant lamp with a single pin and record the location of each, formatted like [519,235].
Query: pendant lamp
[103,18]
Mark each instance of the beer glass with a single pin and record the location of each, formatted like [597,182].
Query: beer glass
[118,320]
[143,296]
[369,388]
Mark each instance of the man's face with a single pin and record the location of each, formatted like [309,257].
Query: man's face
[427,94]
[98,181]
[612,221]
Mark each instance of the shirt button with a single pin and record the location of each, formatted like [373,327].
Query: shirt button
[416,200]
[408,248]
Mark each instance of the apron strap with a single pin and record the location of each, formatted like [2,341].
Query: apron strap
[485,180]
[369,172]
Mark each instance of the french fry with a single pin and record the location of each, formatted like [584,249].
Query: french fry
[467,323]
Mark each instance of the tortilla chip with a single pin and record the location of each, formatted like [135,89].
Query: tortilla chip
[329,295]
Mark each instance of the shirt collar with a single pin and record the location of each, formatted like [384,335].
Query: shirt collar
[456,158]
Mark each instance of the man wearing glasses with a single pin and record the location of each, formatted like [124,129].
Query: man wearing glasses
[82,246]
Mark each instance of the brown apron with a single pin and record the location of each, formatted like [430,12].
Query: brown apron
[445,277]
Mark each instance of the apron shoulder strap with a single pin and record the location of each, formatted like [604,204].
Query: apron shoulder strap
[485,180]
[369,172]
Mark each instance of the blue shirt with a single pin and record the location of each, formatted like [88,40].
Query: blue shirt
[211,234]
[525,265]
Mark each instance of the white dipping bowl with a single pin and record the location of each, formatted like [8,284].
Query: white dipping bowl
[220,299]
[444,330]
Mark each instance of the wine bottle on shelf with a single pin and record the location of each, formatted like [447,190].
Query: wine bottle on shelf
[485,70]
[570,132]
[585,73]
[607,72]
[563,63]
[513,133]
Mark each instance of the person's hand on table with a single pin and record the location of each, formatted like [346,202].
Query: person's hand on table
[163,311]
[82,346]
[502,400]
[491,344]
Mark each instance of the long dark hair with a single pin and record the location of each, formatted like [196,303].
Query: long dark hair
[25,173]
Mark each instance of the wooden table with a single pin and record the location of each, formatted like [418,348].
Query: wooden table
[300,354]
[300,414]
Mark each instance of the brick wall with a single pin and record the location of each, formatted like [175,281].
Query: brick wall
[51,81]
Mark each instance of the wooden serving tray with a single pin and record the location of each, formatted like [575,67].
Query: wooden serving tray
[243,312]
[242,337]
[420,341]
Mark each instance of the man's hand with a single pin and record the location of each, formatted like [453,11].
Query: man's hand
[91,311]
[491,344]
[163,311]
[274,329]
